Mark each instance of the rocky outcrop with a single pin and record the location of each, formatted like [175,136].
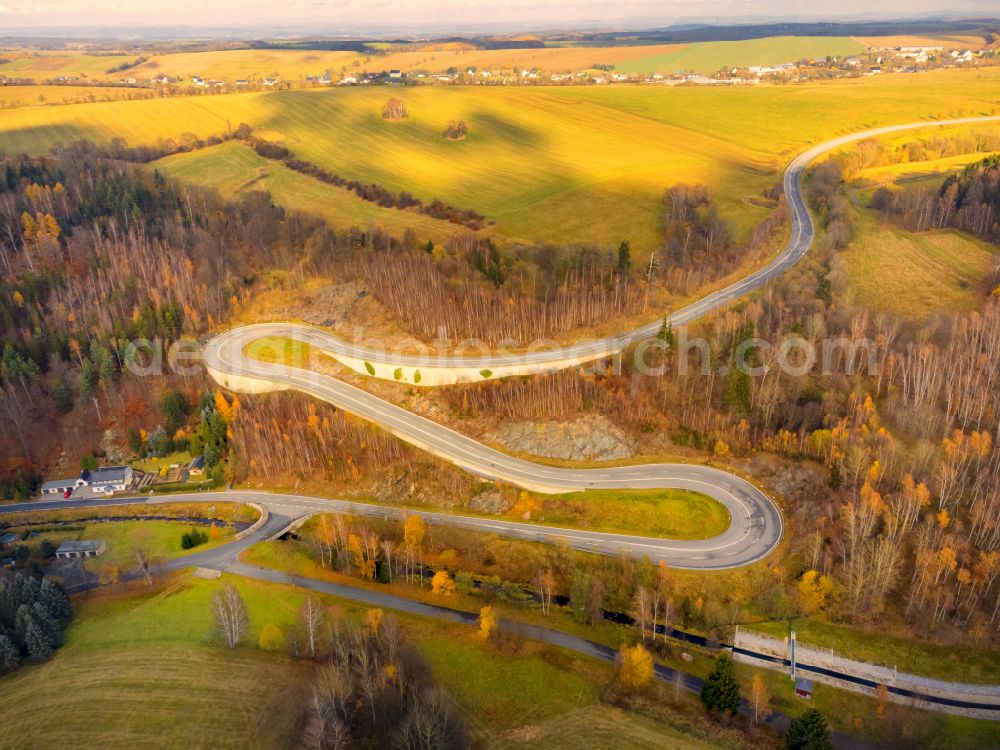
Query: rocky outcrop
[589,438]
[493,501]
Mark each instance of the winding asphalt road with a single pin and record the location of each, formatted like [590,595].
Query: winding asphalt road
[285,511]
[756,526]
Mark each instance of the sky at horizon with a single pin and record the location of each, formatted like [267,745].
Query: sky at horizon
[324,15]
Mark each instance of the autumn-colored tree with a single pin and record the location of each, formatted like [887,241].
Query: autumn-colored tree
[759,698]
[394,109]
[413,541]
[413,531]
[108,575]
[488,623]
[881,699]
[271,638]
[635,667]
[813,590]
[373,619]
[223,407]
[442,584]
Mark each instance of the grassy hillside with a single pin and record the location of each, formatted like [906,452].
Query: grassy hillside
[231,65]
[144,669]
[708,57]
[233,168]
[564,164]
[916,274]
[50,64]
[930,173]
[26,96]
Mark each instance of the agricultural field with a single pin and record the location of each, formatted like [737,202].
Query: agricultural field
[539,161]
[948,41]
[35,96]
[247,64]
[915,274]
[46,64]
[438,58]
[708,57]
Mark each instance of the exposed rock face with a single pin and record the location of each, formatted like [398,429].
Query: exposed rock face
[589,438]
[490,501]
[111,446]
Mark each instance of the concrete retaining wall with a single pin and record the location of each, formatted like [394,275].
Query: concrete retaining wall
[828,659]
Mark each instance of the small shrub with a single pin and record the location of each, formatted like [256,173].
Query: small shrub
[394,109]
[271,638]
[456,130]
[193,538]
[370,368]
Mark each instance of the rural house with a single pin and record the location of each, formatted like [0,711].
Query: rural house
[58,486]
[107,479]
[72,550]
[197,466]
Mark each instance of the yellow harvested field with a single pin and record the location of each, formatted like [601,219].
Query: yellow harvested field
[566,164]
[249,64]
[438,58]
[34,96]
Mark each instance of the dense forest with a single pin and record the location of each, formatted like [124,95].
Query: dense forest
[97,259]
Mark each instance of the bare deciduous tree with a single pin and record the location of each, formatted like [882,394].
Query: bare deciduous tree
[312,616]
[230,612]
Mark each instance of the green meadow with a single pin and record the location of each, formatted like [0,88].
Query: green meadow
[709,57]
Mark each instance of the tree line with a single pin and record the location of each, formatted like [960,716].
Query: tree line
[968,200]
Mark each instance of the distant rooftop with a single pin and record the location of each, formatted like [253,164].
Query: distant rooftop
[96,545]
[105,475]
[58,484]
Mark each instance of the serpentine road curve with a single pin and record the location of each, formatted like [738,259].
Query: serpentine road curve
[756,526]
